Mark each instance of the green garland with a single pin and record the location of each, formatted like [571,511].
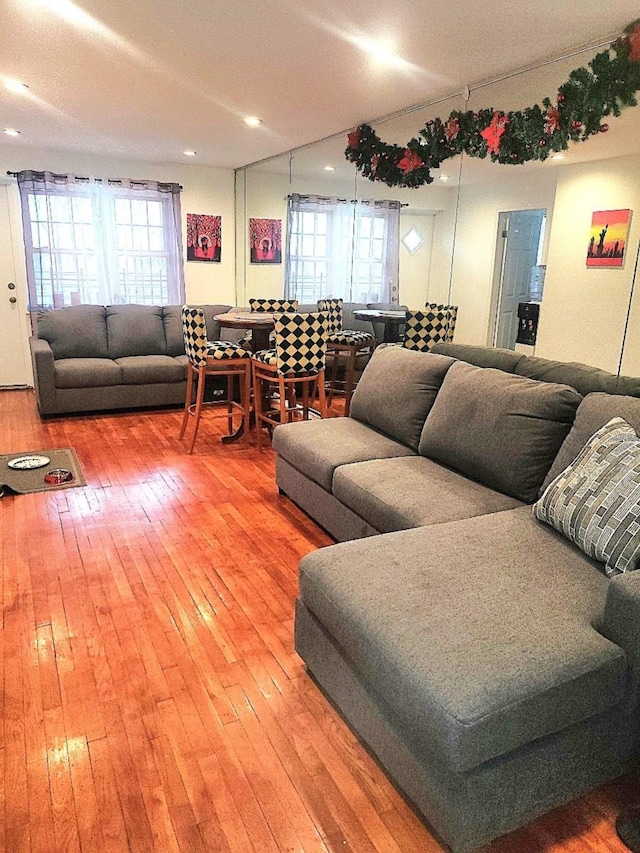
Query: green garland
[604,88]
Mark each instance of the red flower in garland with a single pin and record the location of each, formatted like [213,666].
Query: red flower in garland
[409,162]
[551,121]
[452,129]
[354,138]
[374,163]
[495,130]
[633,38]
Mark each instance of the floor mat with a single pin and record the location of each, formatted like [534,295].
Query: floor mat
[32,479]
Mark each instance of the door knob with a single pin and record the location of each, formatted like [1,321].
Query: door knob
[12,300]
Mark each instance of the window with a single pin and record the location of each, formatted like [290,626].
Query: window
[101,242]
[342,249]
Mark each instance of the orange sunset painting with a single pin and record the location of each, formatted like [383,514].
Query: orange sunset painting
[608,238]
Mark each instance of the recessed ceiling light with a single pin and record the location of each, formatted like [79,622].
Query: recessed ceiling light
[189,153]
[16,87]
[558,156]
[329,168]
[445,178]
[252,121]
[10,131]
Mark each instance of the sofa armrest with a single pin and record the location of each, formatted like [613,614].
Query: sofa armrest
[43,375]
[621,618]
[621,624]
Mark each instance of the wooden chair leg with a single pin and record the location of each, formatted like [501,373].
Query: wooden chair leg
[349,380]
[188,400]
[283,399]
[305,399]
[333,379]
[230,406]
[257,404]
[322,400]
[198,409]
[245,399]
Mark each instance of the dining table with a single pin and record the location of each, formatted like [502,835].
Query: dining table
[260,323]
[391,319]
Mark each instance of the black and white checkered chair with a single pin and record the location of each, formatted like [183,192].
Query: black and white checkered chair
[212,358]
[262,306]
[297,362]
[344,346]
[280,305]
[436,324]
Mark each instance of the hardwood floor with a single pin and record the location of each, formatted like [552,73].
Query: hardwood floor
[152,699]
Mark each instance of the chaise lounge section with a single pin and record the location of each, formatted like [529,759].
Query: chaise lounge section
[491,665]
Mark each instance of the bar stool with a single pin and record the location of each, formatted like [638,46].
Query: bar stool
[212,358]
[344,345]
[281,305]
[297,360]
[434,325]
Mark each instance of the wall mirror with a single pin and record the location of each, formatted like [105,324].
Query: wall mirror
[455,250]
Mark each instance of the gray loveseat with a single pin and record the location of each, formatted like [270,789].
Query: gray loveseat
[492,667]
[93,357]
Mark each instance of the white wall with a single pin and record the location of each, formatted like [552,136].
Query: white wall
[584,309]
[504,188]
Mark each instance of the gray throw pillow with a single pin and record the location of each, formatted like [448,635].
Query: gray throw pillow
[396,392]
[595,502]
[498,428]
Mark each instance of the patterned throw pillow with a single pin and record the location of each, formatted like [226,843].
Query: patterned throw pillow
[595,501]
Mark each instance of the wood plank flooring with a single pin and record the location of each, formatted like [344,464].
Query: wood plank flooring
[152,700]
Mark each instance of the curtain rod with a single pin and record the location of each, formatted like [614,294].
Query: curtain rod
[345,200]
[82,178]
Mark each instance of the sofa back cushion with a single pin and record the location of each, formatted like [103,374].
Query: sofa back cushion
[78,331]
[397,390]
[593,413]
[502,359]
[583,377]
[500,429]
[172,321]
[135,330]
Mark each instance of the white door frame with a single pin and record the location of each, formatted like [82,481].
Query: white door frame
[21,293]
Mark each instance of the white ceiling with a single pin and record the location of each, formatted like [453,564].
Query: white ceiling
[145,80]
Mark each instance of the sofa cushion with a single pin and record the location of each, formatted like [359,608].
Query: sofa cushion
[317,448]
[395,494]
[147,369]
[595,502]
[78,331]
[477,633]
[501,359]
[593,412]
[500,429]
[135,330]
[172,322]
[86,373]
[583,377]
[396,392]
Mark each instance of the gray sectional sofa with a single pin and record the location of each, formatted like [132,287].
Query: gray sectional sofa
[491,665]
[94,357]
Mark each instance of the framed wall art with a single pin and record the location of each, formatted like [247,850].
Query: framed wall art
[608,238]
[204,237]
[265,241]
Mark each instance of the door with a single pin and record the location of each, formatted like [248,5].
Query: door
[520,234]
[13,313]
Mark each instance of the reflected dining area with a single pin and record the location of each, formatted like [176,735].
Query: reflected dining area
[280,361]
